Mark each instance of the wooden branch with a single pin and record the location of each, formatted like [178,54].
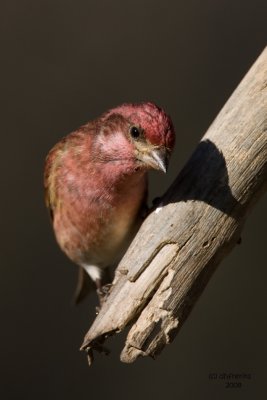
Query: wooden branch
[198,222]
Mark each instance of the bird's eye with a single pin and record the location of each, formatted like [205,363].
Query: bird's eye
[134,132]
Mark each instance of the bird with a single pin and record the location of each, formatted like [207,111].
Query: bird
[96,186]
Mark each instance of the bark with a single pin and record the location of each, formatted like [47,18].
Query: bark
[198,222]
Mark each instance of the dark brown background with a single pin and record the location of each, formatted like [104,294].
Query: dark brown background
[63,63]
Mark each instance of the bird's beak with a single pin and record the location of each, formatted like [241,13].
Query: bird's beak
[157,159]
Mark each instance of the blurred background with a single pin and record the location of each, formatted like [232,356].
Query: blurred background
[62,64]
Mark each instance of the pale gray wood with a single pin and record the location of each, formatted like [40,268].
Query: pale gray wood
[198,222]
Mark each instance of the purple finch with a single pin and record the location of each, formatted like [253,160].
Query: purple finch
[96,183]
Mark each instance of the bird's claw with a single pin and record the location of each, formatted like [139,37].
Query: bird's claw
[156,201]
[103,293]
[97,347]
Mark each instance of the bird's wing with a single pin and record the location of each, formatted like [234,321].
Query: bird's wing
[52,165]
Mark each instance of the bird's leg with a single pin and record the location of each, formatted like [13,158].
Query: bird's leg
[156,202]
[97,346]
[102,291]
[99,277]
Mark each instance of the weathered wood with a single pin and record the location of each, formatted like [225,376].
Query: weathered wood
[199,221]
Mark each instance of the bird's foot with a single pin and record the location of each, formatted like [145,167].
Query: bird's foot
[103,293]
[156,202]
[148,210]
[97,346]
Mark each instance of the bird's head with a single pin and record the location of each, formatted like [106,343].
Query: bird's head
[142,132]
